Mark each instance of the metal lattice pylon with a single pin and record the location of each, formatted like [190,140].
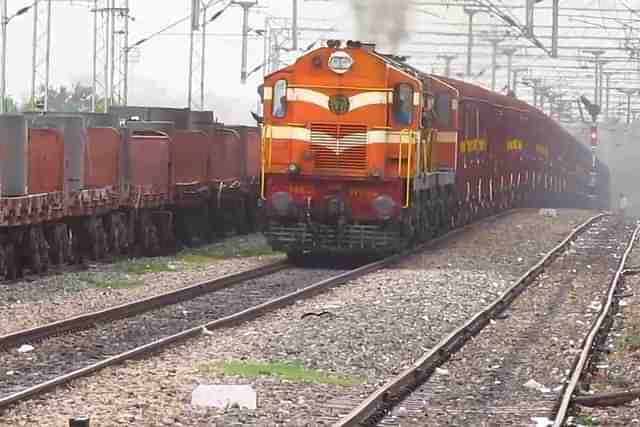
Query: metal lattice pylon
[41,54]
[110,53]
[197,49]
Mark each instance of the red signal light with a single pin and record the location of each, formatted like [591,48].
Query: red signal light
[594,136]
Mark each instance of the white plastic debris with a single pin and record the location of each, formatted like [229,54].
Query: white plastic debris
[595,306]
[551,213]
[9,373]
[542,421]
[535,385]
[205,331]
[400,412]
[224,396]
[442,371]
[25,348]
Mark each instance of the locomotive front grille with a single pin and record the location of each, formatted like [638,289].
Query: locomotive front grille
[339,148]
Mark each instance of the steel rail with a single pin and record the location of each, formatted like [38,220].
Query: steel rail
[240,317]
[89,320]
[383,399]
[587,346]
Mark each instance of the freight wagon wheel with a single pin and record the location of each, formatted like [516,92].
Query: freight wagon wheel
[55,248]
[3,259]
[37,263]
[12,271]
[241,220]
[44,249]
[93,234]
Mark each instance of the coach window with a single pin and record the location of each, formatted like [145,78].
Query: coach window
[280,99]
[403,104]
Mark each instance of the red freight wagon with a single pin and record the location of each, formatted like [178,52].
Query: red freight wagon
[148,176]
[45,161]
[148,172]
[102,158]
[233,168]
[190,163]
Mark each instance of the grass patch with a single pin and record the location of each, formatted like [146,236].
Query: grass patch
[585,420]
[206,255]
[144,266]
[112,283]
[284,370]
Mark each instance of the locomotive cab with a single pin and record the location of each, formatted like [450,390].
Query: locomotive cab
[342,146]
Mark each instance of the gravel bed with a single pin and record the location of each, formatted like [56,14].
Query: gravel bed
[47,299]
[370,330]
[621,367]
[59,355]
[513,372]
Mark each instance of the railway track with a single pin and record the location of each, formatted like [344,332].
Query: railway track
[513,372]
[77,347]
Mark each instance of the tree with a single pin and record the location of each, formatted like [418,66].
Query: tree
[63,99]
[11,106]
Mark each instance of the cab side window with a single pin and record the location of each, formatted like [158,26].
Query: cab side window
[279,109]
[403,104]
[441,108]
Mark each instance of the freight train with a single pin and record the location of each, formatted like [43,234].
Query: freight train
[363,153]
[135,181]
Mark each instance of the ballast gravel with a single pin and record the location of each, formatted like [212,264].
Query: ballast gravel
[365,332]
[27,304]
[619,371]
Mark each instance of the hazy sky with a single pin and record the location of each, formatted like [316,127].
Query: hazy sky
[160,75]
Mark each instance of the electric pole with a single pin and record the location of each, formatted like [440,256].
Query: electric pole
[509,52]
[294,26]
[447,62]
[494,61]
[515,72]
[607,92]
[246,5]
[628,93]
[110,53]
[596,55]
[41,55]
[5,22]
[555,28]
[471,13]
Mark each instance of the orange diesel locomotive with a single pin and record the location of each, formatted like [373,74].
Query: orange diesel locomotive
[363,153]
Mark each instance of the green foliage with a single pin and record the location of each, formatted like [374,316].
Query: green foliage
[284,370]
[64,99]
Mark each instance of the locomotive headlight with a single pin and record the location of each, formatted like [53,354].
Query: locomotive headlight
[384,206]
[340,62]
[294,169]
